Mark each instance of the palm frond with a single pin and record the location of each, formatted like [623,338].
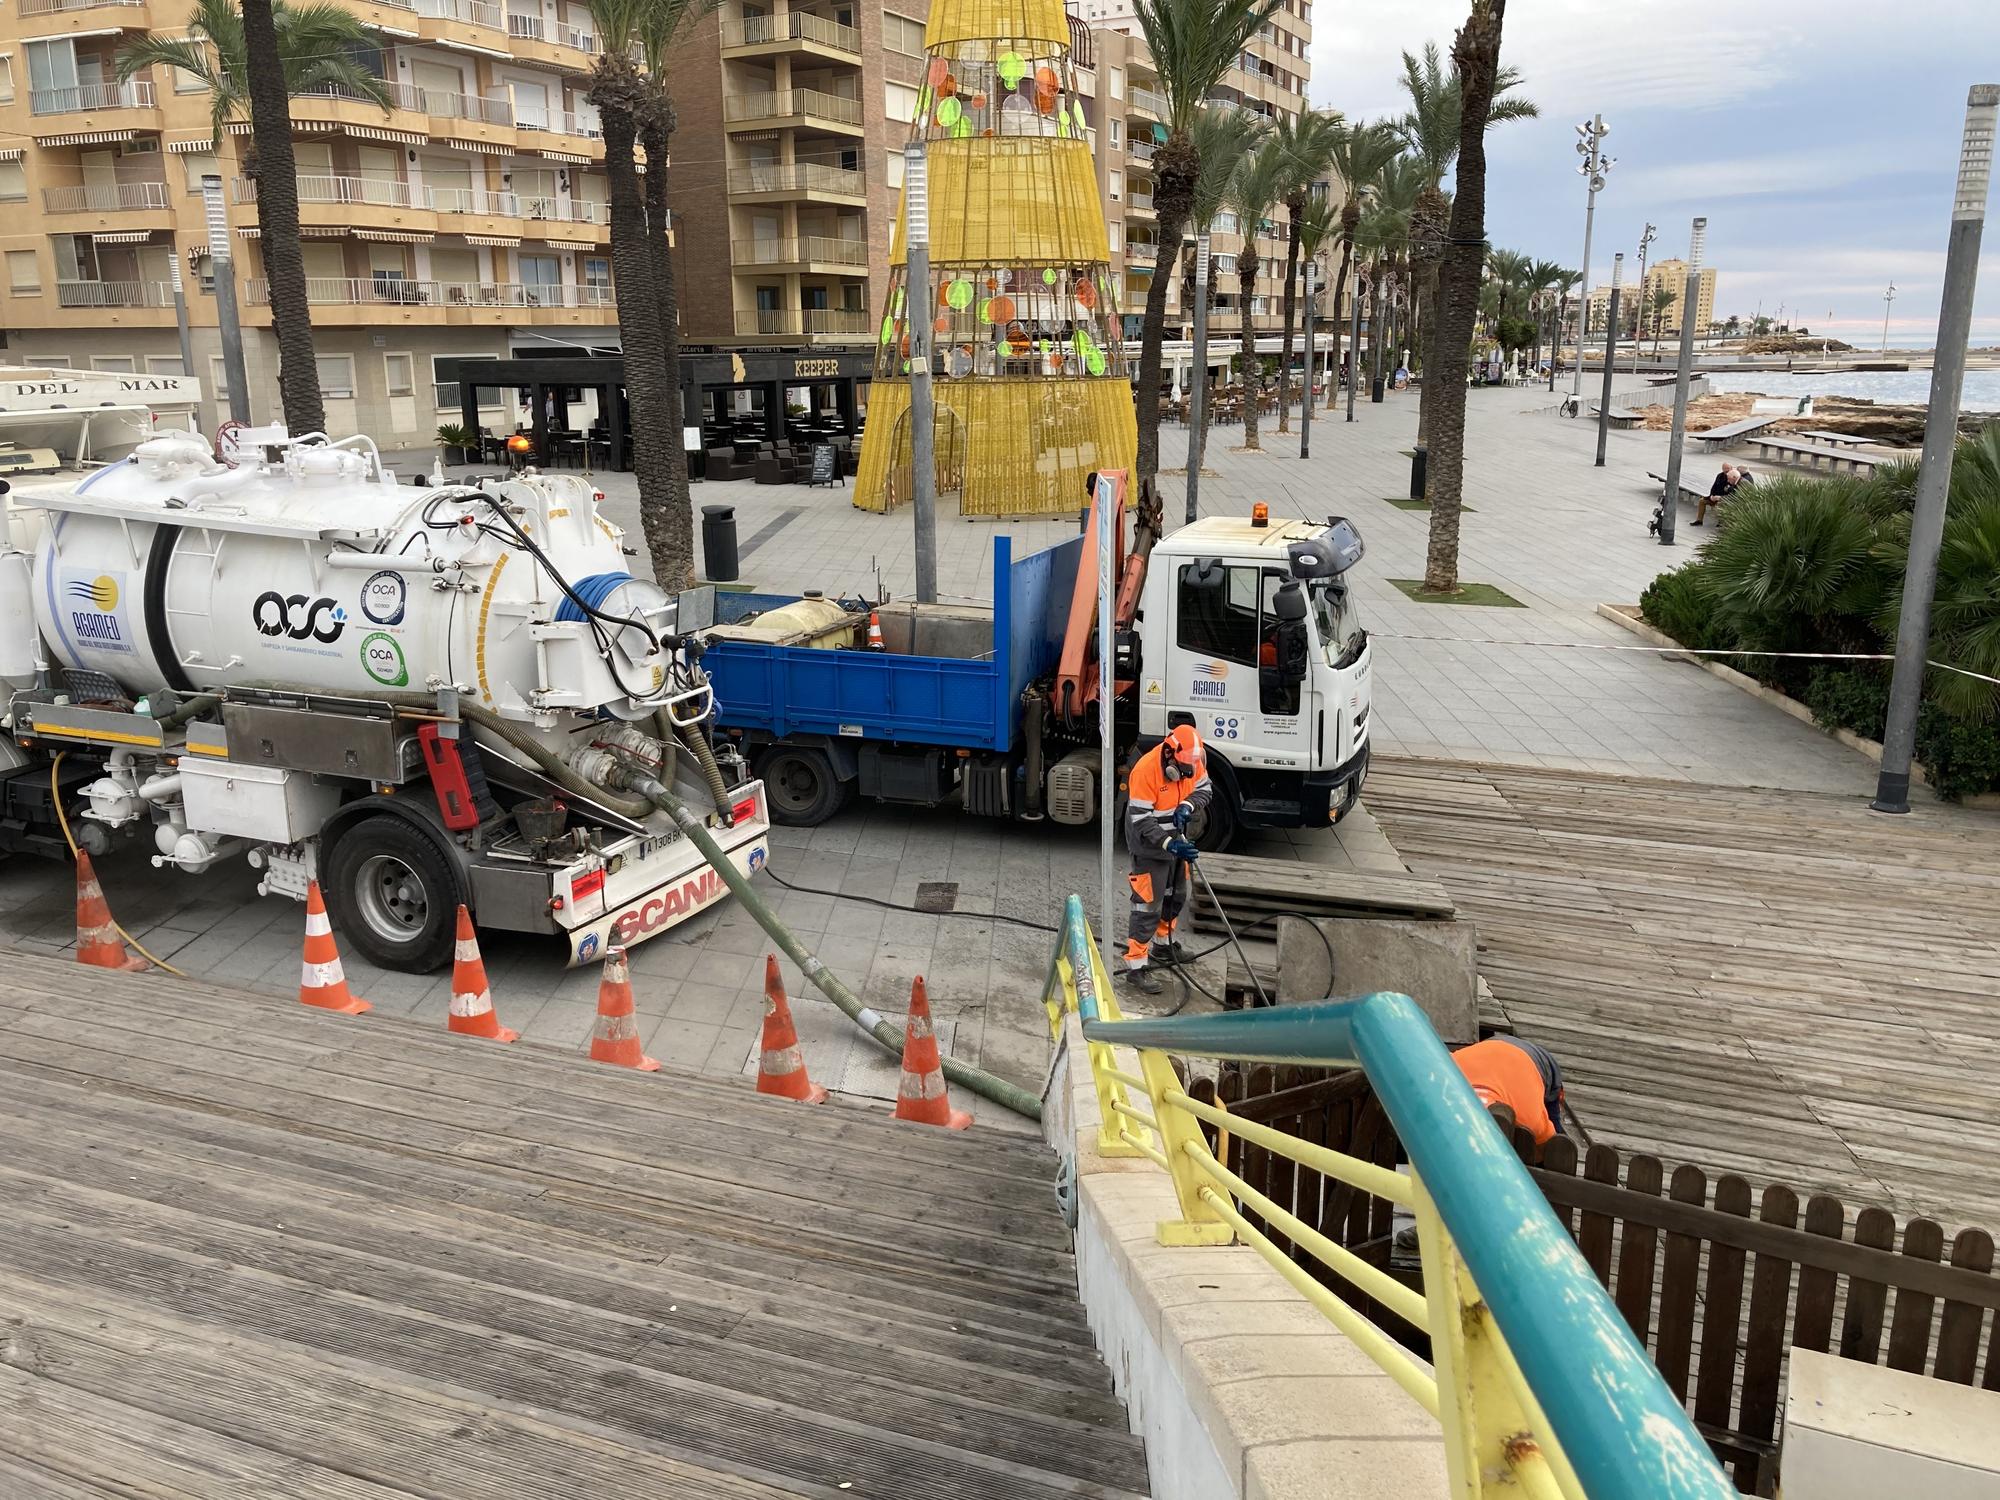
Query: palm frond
[1195,42]
[1223,136]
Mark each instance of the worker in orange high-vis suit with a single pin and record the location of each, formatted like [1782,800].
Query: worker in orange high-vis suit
[1168,786]
[1520,1074]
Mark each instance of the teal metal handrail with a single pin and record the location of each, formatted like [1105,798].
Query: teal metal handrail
[1624,1434]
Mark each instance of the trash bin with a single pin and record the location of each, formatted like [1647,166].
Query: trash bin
[718,543]
[1420,462]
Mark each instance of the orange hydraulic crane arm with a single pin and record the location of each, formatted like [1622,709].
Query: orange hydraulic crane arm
[1076,685]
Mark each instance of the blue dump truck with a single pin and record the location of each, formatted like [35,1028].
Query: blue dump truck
[1244,627]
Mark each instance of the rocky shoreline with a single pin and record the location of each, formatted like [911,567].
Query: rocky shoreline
[1892,426]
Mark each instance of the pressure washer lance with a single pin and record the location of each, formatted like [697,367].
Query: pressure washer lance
[1216,901]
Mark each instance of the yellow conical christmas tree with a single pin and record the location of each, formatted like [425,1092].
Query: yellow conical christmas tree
[1029,380]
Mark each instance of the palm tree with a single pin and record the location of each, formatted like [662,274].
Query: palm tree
[1430,131]
[1360,155]
[1223,136]
[1658,300]
[1306,142]
[1546,281]
[1510,275]
[662,24]
[255,60]
[627,102]
[1476,70]
[1254,190]
[1384,235]
[1316,231]
[1193,43]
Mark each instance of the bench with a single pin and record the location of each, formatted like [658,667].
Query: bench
[1723,437]
[1813,458]
[1619,416]
[1691,493]
[1836,439]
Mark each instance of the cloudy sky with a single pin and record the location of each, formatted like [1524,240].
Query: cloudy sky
[1820,139]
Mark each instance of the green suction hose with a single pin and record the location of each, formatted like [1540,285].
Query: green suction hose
[885,1033]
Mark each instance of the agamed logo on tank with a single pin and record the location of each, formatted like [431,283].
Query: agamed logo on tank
[1210,680]
[92,602]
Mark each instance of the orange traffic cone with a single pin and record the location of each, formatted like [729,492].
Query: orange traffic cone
[921,1095]
[97,941]
[322,982]
[875,632]
[616,1037]
[471,997]
[781,1067]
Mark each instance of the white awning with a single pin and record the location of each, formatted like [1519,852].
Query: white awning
[299,127]
[408,36]
[199,143]
[492,239]
[12,153]
[570,244]
[394,236]
[122,237]
[376,133]
[456,46]
[306,232]
[568,156]
[85,138]
[485,148]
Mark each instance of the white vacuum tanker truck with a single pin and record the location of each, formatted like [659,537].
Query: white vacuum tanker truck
[419,696]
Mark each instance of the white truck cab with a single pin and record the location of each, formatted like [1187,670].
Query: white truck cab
[1248,630]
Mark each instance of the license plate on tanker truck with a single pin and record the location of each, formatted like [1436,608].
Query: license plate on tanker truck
[657,883]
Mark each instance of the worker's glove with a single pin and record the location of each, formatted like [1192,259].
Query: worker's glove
[1183,849]
[1182,816]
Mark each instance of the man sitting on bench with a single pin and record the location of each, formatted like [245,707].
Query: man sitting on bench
[1727,483]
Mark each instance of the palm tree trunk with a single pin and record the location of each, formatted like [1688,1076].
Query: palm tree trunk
[1339,321]
[653,436]
[1427,352]
[1476,53]
[278,219]
[676,511]
[1152,330]
[1297,210]
[1253,367]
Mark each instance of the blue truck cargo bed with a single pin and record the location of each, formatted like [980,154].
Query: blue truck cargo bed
[961,703]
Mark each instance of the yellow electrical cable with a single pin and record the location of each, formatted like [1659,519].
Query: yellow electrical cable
[55,794]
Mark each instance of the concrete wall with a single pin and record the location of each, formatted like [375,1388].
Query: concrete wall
[1238,1385]
[1435,963]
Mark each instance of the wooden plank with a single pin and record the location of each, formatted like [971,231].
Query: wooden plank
[1861,1329]
[1812,1326]
[1679,1270]
[1764,1343]
[1593,1231]
[1910,1331]
[1722,1307]
[1958,1328]
[1637,1250]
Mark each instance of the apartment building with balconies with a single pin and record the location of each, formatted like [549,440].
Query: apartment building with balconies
[469,216]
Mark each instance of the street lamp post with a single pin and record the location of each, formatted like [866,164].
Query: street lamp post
[1683,374]
[1362,288]
[923,436]
[1306,415]
[1590,146]
[1641,294]
[1888,301]
[228,325]
[1961,275]
[1610,349]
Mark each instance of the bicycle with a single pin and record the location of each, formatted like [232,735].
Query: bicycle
[1571,406]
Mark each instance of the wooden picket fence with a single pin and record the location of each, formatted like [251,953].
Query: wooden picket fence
[1718,1293]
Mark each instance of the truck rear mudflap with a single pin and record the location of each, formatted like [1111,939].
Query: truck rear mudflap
[649,885]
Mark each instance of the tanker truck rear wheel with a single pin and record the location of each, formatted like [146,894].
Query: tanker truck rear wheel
[801,786]
[393,895]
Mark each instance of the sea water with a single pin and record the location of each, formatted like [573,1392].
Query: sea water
[1887,387]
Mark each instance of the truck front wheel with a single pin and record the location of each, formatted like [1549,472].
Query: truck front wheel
[393,895]
[801,785]
[1213,829]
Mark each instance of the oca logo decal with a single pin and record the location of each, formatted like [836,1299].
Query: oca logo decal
[298,616]
[384,596]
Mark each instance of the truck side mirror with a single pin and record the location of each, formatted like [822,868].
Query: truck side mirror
[1294,645]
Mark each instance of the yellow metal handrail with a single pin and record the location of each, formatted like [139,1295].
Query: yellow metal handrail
[1497,1436]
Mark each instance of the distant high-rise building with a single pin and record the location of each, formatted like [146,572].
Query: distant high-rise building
[1672,275]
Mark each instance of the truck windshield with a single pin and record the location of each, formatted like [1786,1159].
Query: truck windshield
[1338,622]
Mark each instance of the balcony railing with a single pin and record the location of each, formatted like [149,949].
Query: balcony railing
[811,247]
[136,93]
[780,321]
[1150,103]
[378,191]
[60,7]
[447,105]
[758,31]
[780,103]
[1140,150]
[561,121]
[104,198]
[797,177]
[530,28]
[359,291]
[112,294]
[577,37]
[1141,202]
[471,12]
[400,95]
[1142,253]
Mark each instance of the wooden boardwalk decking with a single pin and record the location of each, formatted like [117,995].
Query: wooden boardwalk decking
[1781,984]
[249,1249]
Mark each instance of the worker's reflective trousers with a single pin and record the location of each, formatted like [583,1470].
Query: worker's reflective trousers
[1159,890]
